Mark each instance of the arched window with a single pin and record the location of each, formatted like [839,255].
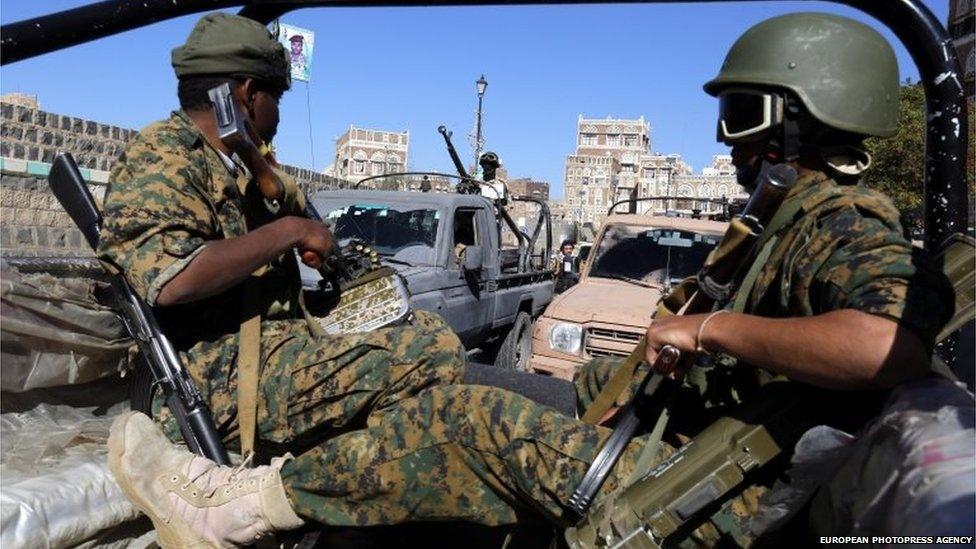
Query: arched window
[377,163]
[359,162]
[393,163]
[686,190]
[704,191]
[723,190]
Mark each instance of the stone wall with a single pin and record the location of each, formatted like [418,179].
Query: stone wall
[33,134]
[32,223]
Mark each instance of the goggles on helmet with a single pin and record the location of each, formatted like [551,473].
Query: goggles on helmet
[745,114]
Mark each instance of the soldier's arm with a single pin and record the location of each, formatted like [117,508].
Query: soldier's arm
[844,349]
[876,311]
[221,264]
[160,229]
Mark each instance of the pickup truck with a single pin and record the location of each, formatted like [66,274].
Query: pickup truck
[447,248]
[633,263]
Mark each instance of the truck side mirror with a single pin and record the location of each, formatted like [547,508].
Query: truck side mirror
[473,258]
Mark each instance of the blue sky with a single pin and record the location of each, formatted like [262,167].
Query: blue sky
[414,69]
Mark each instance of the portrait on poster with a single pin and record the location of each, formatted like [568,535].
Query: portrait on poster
[300,44]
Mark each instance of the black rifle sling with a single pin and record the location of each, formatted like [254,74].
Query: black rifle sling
[655,394]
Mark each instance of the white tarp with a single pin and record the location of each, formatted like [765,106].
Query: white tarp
[55,486]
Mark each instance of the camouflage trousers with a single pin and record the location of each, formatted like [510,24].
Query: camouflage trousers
[463,452]
[472,453]
[313,388]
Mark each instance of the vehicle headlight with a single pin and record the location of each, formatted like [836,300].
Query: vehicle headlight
[565,337]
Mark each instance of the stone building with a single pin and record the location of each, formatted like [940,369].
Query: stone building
[362,153]
[22,99]
[613,162]
[525,213]
[658,171]
[714,182]
[962,29]
[606,164]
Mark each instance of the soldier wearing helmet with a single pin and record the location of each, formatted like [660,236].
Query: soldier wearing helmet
[837,302]
[494,186]
[806,89]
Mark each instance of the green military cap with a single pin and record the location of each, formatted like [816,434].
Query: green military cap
[222,43]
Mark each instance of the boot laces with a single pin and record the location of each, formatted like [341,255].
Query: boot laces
[228,483]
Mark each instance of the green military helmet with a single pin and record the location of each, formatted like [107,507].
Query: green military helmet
[489,159]
[843,71]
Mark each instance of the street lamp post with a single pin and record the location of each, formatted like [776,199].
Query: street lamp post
[481,84]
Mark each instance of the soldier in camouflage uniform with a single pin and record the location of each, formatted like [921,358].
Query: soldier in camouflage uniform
[840,303]
[184,225]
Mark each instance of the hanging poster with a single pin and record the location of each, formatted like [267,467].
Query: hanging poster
[299,43]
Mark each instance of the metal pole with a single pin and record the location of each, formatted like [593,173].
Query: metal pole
[477,139]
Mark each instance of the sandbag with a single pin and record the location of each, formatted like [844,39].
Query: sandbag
[909,472]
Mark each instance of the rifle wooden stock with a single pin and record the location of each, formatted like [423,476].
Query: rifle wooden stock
[181,393]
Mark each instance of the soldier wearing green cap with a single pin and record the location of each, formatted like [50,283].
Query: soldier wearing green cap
[837,302]
[180,222]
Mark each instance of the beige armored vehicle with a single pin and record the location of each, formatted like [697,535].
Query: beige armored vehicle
[634,261]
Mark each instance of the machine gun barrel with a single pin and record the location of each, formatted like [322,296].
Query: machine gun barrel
[453,152]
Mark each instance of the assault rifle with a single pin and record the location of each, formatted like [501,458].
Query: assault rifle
[656,392]
[182,395]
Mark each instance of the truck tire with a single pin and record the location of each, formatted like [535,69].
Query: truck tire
[514,352]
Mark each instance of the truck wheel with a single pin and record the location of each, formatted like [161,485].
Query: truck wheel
[514,352]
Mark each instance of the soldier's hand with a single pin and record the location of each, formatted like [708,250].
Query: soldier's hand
[677,331]
[315,242]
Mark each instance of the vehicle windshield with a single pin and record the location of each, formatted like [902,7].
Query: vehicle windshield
[646,256]
[395,232]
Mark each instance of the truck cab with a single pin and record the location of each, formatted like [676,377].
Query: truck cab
[448,248]
[634,261]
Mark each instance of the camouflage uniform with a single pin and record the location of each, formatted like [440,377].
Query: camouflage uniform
[844,250]
[489,456]
[170,193]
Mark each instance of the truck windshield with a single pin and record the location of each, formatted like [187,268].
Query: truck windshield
[404,234]
[650,256]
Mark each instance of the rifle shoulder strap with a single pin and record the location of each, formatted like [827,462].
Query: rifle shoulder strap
[249,362]
[767,243]
[618,382]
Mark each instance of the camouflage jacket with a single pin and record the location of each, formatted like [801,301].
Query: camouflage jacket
[170,194]
[845,250]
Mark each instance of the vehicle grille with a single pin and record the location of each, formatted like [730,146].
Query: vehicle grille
[601,342]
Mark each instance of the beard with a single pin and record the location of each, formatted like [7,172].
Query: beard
[751,175]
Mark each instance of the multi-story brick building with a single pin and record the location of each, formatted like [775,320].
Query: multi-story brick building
[526,213]
[613,161]
[658,171]
[362,153]
[721,165]
[606,164]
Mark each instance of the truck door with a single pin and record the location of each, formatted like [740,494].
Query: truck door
[468,298]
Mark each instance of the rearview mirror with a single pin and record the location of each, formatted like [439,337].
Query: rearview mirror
[473,258]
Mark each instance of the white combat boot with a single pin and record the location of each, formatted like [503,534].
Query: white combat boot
[192,501]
